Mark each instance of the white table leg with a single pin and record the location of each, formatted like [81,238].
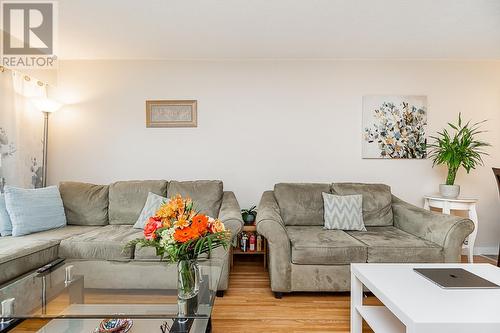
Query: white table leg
[472,236]
[356,300]
[446,207]
[426,204]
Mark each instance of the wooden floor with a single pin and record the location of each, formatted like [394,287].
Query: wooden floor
[249,306]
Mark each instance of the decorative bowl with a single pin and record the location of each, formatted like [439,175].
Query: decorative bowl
[114,326]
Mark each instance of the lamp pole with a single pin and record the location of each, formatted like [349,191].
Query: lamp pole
[45,146]
[47,106]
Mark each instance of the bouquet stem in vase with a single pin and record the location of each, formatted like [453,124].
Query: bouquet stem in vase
[188,281]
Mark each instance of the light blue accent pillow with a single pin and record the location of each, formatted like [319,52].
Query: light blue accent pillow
[34,210]
[5,224]
[153,203]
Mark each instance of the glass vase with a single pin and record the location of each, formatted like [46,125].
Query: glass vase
[188,279]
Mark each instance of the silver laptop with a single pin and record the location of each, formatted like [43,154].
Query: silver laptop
[455,278]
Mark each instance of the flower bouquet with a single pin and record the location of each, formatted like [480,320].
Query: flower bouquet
[179,233]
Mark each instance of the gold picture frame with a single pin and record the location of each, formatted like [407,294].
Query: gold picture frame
[171,113]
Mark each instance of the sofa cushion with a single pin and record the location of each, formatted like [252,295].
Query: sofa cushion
[85,204]
[60,234]
[206,194]
[34,210]
[19,255]
[145,253]
[149,253]
[392,245]
[301,204]
[106,243]
[127,198]
[377,201]
[312,245]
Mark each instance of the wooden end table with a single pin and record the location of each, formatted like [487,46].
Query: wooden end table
[237,250]
[462,204]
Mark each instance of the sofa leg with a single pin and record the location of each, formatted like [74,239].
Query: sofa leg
[220,293]
[278,295]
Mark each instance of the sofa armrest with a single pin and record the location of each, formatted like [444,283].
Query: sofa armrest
[445,230]
[230,213]
[271,226]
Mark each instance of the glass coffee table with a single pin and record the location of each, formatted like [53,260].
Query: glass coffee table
[77,295]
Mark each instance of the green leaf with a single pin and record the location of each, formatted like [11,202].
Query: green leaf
[459,148]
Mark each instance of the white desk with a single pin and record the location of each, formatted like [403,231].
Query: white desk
[464,204]
[413,304]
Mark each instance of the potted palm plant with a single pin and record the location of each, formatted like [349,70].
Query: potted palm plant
[457,148]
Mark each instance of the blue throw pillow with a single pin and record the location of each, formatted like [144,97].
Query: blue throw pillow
[5,225]
[34,210]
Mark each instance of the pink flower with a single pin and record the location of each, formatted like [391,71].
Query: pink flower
[151,227]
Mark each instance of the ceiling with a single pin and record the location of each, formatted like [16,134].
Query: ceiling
[212,29]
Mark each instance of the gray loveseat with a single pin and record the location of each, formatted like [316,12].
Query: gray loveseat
[305,257]
[100,220]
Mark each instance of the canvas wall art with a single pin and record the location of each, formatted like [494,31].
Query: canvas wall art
[394,127]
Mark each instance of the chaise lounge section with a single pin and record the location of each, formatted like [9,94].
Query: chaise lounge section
[305,257]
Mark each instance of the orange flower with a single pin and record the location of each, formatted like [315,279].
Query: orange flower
[165,211]
[177,204]
[200,223]
[186,234]
[216,226]
[182,222]
[166,222]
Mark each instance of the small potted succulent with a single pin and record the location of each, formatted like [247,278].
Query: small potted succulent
[249,215]
[460,148]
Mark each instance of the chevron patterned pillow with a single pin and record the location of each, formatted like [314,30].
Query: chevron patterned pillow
[343,212]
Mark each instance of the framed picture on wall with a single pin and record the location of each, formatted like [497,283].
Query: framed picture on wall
[394,127]
[171,113]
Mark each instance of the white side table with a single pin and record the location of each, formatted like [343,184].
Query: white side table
[464,204]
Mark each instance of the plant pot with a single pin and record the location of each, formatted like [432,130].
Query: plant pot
[188,279]
[449,191]
[249,219]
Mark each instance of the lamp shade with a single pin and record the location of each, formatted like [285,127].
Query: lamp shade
[46,104]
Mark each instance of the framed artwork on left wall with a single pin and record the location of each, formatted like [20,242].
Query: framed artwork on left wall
[171,113]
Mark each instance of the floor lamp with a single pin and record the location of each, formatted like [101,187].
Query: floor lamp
[47,106]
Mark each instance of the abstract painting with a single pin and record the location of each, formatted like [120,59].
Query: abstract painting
[394,127]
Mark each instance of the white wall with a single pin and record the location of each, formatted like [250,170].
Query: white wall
[263,122]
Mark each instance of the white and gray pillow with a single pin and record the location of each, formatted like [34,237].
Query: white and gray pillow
[343,212]
[34,210]
[153,203]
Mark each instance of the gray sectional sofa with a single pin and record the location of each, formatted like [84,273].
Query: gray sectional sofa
[100,220]
[305,257]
